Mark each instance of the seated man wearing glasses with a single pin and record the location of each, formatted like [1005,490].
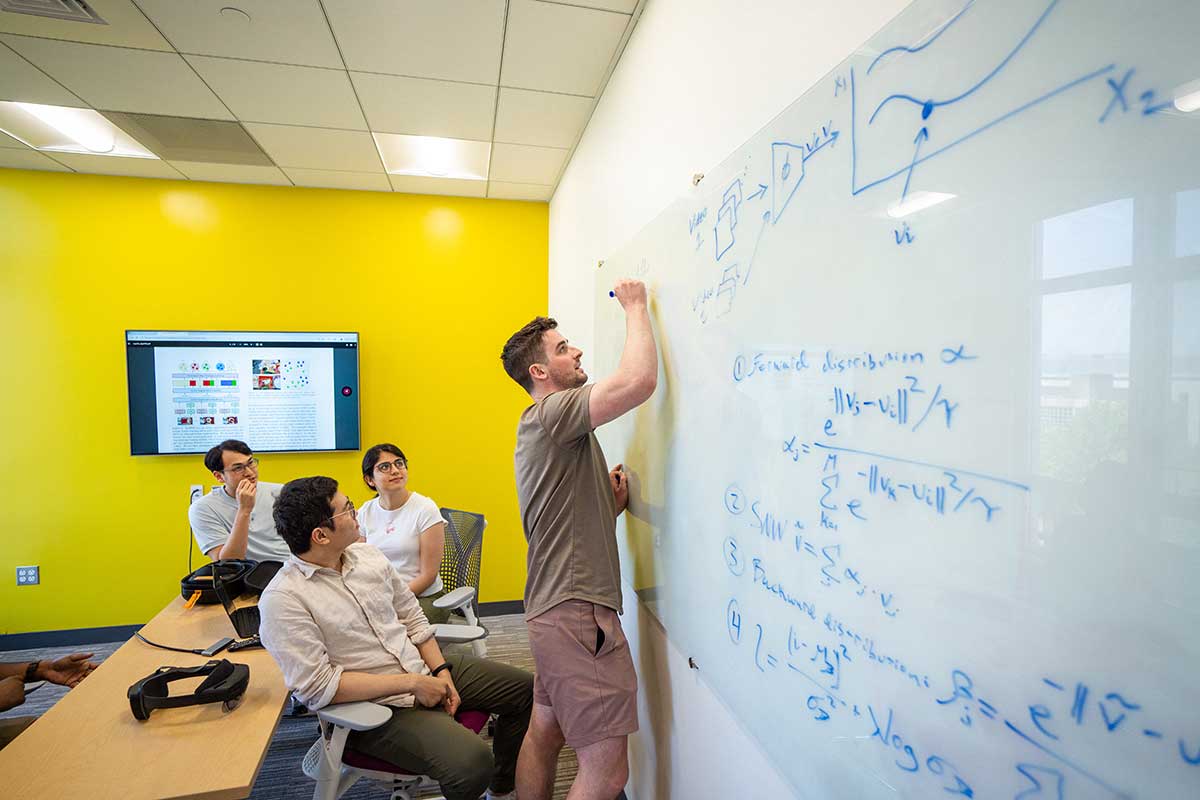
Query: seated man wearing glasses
[234,520]
[343,626]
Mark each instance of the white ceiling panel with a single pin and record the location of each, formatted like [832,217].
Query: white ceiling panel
[559,48]
[259,92]
[108,165]
[623,6]
[284,31]
[518,163]
[127,26]
[499,190]
[28,159]
[424,107]
[231,173]
[415,184]
[317,148]
[7,141]
[25,83]
[457,40]
[540,118]
[329,179]
[117,79]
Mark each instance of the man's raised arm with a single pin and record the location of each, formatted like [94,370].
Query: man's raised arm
[636,376]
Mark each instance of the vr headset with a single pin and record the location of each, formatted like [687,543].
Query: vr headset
[241,576]
[225,683]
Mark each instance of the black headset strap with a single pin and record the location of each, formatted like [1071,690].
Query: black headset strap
[218,672]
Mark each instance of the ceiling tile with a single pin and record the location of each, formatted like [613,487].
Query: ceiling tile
[623,6]
[28,159]
[415,184]
[559,48]
[329,179]
[499,190]
[317,148]
[284,31]
[458,40]
[231,173]
[117,79]
[259,92]
[518,163]
[424,107]
[541,118]
[25,83]
[7,141]
[127,27]
[108,165]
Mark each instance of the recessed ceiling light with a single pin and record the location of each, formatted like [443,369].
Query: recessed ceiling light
[433,156]
[86,129]
[917,201]
[1187,97]
[67,130]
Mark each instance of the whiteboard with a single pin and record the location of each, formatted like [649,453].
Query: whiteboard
[919,489]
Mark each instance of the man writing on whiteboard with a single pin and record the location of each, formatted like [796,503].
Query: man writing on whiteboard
[585,689]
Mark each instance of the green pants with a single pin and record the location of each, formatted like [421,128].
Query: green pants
[428,741]
[436,616]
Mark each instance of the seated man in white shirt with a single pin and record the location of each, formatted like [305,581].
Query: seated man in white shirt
[234,520]
[344,626]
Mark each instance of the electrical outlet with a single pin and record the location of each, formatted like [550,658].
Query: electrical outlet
[28,576]
[195,492]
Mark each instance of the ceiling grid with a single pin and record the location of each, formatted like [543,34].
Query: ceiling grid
[311,82]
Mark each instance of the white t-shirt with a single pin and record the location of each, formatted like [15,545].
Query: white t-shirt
[398,533]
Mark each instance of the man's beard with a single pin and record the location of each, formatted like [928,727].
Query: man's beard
[572,379]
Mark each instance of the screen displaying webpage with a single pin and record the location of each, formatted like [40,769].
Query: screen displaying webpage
[190,390]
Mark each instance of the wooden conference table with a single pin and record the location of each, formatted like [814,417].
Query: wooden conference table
[90,746]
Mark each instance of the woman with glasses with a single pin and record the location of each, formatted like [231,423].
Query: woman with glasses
[405,525]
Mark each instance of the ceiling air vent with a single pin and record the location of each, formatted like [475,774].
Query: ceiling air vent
[70,10]
[212,141]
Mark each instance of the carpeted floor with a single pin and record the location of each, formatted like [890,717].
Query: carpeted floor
[280,777]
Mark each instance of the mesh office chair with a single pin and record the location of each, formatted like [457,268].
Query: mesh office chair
[336,768]
[460,577]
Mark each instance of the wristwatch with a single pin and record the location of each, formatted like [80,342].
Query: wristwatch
[31,671]
[444,666]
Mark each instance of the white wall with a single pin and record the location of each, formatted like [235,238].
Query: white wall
[696,80]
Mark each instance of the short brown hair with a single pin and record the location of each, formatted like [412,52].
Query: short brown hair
[524,349]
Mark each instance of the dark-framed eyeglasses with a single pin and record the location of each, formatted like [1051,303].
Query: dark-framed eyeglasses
[238,469]
[385,467]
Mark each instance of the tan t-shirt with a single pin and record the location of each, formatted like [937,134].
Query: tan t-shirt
[567,506]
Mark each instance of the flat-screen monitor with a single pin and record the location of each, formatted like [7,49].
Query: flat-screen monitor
[189,390]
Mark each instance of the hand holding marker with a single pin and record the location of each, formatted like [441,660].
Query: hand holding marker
[630,291]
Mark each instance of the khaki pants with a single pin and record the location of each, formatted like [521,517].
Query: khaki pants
[428,741]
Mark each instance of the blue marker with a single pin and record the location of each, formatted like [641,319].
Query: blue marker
[612,293]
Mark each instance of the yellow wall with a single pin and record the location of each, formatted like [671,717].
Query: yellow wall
[434,285]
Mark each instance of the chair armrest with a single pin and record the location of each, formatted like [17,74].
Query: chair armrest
[456,599]
[458,634]
[362,716]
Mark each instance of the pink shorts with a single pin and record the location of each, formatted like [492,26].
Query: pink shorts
[584,671]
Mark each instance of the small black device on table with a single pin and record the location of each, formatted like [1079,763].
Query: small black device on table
[245,620]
